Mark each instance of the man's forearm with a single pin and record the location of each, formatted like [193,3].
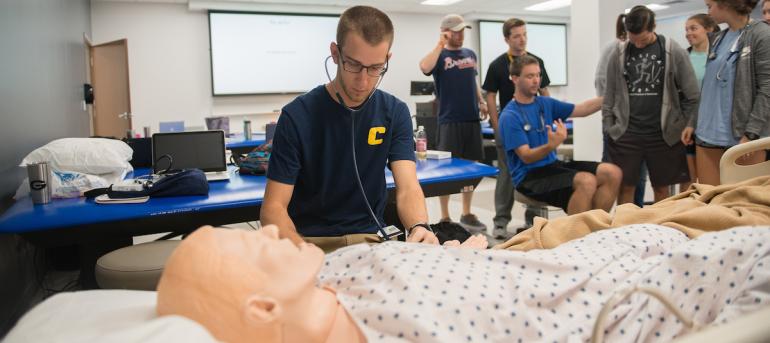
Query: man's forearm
[429,61]
[280,218]
[587,107]
[411,207]
[537,154]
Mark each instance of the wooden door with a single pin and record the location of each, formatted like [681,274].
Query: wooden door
[109,77]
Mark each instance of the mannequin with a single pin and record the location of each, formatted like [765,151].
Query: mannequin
[225,272]
[251,286]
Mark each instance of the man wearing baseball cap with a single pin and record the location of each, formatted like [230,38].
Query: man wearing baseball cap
[454,71]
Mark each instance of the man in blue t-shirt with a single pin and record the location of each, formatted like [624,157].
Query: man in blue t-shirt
[530,143]
[312,188]
[454,71]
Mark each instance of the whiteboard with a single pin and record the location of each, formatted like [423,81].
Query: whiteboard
[268,53]
[547,41]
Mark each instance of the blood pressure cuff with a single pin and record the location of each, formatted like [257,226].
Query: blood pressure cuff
[185,182]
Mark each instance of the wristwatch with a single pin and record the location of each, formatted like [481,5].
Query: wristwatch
[751,136]
[424,225]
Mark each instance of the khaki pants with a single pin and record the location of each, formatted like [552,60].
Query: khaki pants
[329,244]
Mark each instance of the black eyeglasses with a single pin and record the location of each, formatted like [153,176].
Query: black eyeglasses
[355,67]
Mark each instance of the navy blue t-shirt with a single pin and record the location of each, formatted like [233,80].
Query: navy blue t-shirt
[455,78]
[312,151]
[512,121]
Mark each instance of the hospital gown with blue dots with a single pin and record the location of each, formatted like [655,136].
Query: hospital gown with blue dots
[414,292]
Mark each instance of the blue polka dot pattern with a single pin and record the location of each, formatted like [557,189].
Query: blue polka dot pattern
[551,295]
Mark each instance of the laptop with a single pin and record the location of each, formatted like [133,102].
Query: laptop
[171,126]
[204,150]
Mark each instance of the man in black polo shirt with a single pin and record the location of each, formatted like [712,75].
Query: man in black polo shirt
[312,189]
[498,83]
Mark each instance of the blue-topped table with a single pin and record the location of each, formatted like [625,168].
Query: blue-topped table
[489,133]
[65,221]
[238,144]
[97,229]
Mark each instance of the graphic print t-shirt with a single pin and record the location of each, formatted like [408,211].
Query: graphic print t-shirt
[645,75]
[455,79]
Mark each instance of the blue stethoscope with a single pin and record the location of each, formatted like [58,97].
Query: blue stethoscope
[527,125]
[733,49]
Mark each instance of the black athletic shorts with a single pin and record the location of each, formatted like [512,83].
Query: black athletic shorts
[552,184]
[667,165]
[462,139]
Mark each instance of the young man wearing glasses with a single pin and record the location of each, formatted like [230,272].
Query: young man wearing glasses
[312,193]
[530,144]
[454,71]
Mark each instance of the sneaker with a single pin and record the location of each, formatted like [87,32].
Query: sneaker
[472,223]
[501,233]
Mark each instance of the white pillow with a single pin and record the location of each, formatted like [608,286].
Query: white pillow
[104,316]
[83,155]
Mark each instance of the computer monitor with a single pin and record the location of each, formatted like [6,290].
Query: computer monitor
[422,88]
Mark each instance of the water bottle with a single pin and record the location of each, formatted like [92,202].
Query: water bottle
[247,130]
[39,182]
[421,143]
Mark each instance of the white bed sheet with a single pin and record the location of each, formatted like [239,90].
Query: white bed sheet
[104,316]
[518,303]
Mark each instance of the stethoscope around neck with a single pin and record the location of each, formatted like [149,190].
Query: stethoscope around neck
[734,48]
[527,125]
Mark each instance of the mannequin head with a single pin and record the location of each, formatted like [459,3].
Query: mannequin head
[240,284]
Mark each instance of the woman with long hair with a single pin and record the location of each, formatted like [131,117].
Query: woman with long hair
[699,30]
[735,94]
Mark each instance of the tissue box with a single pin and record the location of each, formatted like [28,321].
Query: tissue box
[438,154]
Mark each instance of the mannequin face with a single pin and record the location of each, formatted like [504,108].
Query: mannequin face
[239,284]
[292,269]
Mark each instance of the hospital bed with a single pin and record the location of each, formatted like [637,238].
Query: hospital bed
[129,316]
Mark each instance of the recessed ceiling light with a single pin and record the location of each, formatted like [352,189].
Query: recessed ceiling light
[652,7]
[439,2]
[549,5]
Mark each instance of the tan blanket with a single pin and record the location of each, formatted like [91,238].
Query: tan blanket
[699,209]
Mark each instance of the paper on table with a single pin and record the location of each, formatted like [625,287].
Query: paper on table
[105,199]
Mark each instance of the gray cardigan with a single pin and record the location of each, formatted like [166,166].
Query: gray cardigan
[751,93]
[681,93]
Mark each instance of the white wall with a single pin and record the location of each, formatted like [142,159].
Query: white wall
[170,70]
[673,28]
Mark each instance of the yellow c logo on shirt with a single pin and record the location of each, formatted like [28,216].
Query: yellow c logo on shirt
[373,132]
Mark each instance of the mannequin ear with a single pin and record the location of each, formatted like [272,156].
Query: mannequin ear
[261,310]
[335,52]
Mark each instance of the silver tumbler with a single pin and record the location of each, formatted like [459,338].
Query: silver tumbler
[247,130]
[147,132]
[39,182]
